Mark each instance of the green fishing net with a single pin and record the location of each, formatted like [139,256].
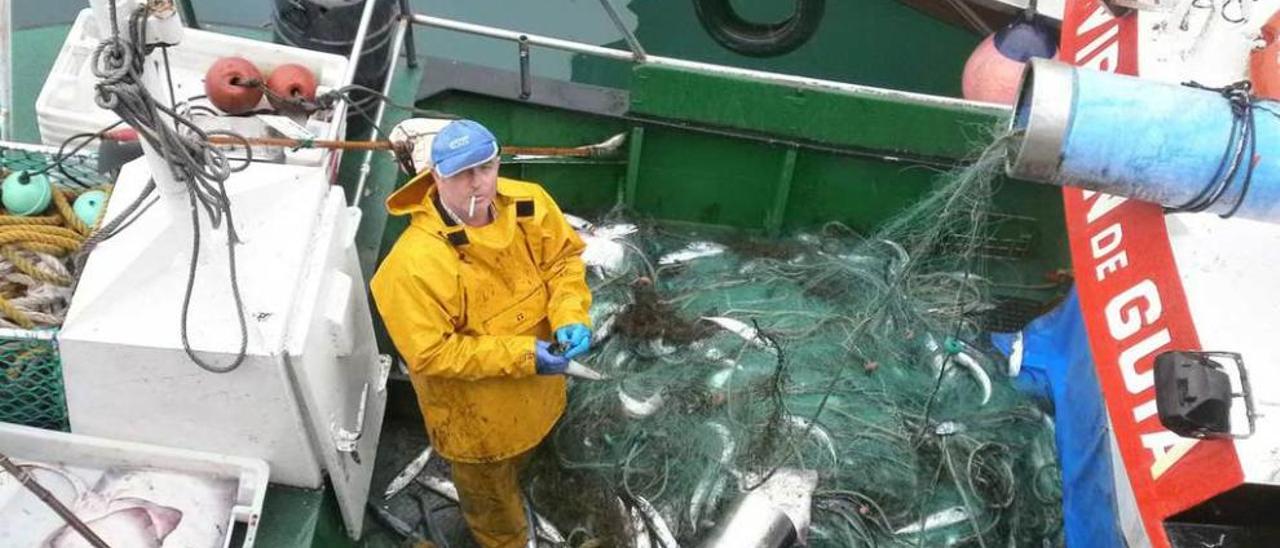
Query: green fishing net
[861,357]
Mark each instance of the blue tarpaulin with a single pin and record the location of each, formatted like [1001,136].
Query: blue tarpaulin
[1054,366]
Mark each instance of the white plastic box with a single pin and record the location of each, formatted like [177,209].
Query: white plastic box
[216,500]
[308,397]
[66,103]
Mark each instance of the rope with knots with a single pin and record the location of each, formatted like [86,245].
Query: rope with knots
[202,168]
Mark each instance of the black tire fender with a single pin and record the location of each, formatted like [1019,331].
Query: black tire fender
[730,30]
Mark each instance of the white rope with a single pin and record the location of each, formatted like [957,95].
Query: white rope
[44,303]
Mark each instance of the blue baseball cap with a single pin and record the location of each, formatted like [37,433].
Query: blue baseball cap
[462,145]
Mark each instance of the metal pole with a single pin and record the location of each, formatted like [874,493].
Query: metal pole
[366,165]
[410,48]
[6,70]
[188,13]
[526,85]
[636,50]
[970,16]
[357,46]
[619,55]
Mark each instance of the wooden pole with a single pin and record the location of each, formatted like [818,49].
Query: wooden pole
[51,501]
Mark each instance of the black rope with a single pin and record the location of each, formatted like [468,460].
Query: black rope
[1240,152]
[326,101]
[60,158]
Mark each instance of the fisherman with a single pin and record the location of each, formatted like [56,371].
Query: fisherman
[471,294]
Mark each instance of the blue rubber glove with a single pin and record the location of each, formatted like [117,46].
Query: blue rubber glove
[576,338]
[548,363]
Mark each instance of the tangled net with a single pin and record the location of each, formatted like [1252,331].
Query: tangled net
[858,357]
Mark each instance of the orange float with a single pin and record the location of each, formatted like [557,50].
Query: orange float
[233,85]
[291,84]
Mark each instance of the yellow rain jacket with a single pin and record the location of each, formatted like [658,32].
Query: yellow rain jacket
[464,306]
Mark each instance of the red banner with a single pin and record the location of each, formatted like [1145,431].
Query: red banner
[1135,307]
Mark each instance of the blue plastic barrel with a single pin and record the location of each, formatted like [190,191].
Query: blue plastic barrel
[1152,141]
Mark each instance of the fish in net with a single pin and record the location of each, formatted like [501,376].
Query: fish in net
[858,357]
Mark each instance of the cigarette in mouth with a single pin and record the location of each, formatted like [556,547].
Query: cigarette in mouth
[471,208]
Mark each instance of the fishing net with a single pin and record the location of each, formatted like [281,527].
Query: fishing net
[69,171]
[36,281]
[860,357]
[31,391]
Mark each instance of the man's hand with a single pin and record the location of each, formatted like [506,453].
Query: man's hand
[548,362]
[575,338]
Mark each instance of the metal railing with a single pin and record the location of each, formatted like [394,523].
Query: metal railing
[640,58]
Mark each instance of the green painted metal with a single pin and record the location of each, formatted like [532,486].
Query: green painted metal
[301,518]
[709,179]
[596,192]
[773,222]
[893,124]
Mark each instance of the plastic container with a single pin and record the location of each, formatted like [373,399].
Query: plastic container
[66,104]
[309,394]
[217,498]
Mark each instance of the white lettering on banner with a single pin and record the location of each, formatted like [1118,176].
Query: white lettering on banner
[1134,381]
[1130,312]
[1102,205]
[1167,448]
[1124,315]
[1144,411]
[1107,58]
[1100,16]
[1160,442]
[1102,52]
[1105,243]
[1112,265]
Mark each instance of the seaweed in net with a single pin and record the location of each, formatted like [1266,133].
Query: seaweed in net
[649,317]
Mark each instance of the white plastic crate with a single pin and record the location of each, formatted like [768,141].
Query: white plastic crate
[66,104]
[192,499]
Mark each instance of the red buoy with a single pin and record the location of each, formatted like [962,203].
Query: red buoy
[1264,62]
[994,69]
[233,85]
[291,81]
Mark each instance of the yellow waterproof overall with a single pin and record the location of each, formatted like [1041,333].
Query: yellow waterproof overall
[463,306]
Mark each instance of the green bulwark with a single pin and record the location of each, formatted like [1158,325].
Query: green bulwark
[870,120]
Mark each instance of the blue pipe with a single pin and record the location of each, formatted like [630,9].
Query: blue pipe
[1147,140]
